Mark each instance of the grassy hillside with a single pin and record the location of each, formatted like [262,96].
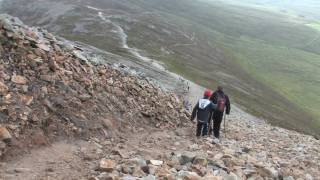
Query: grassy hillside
[280,51]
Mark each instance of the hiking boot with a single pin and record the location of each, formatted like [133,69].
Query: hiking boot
[215,141]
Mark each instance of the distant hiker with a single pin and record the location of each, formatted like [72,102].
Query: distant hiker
[223,105]
[202,111]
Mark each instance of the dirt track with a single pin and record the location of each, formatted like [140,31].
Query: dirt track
[79,159]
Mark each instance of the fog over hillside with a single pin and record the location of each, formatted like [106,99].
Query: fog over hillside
[307,8]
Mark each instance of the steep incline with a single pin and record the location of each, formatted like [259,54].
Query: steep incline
[49,90]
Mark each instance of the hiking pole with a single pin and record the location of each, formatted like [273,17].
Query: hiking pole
[224,124]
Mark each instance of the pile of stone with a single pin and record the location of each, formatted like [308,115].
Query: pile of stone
[48,87]
[185,166]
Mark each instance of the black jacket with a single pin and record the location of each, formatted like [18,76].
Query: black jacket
[203,110]
[214,99]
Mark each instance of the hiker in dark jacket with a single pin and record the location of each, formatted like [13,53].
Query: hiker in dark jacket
[223,104]
[202,111]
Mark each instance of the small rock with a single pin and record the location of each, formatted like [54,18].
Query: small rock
[137,172]
[25,88]
[162,172]
[22,170]
[246,150]
[200,161]
[156,162]
[4,134]
[7,25]
[231,176]
[3,88]
[194,147]
[18,79]
[2,149]
[186,158]
[187,175]
[106,165]
[79,55]
[44,47]
[84,97]
[268,172]
[149,177]
[47,78]
[309,177]
[152,169]
[27,100]
[288,178]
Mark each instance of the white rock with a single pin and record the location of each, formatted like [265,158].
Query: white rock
[156,162]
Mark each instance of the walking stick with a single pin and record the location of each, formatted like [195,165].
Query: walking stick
[224,124]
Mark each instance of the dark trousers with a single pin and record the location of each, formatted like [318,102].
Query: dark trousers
[202,129]
[217,119]
[210,124]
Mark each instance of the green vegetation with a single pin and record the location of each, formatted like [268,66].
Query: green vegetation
[279,51]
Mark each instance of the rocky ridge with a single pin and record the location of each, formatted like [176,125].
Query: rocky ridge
[131,128]
[49,88]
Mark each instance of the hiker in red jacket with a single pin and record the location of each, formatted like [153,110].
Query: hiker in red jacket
[202,111]
[223,104]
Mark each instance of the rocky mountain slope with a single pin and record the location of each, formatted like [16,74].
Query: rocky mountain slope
[63,116]
[207,43]
[48,89]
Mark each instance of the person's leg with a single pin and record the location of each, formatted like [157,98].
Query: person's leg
[210,124]
[205,129]
[199,129]
[217,122]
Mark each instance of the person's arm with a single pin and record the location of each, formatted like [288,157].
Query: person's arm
[214,106]
[194,112]
[213,97]
[228,107]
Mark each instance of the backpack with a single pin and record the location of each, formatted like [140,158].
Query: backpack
[221,102]
[203,103]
